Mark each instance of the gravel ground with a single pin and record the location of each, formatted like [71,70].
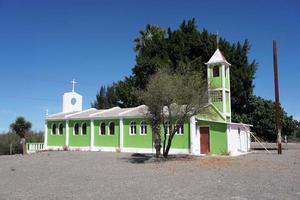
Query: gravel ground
[99,175]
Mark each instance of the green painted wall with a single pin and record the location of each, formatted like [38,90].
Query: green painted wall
[106,140]
[227,79]
[179,141]
[138,140]
[218,137]
[79,140]
[219,105]
[56,140]
[215,82]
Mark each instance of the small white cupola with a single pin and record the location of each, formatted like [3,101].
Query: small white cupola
[218,58]
[72,101]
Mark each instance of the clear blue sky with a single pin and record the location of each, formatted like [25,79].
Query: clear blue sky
[44,44]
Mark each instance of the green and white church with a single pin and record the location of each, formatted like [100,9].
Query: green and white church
[128,130]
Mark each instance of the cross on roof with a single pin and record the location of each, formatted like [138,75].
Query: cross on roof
[218,39]
[73,84]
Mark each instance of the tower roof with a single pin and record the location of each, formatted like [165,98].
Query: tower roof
[218,57]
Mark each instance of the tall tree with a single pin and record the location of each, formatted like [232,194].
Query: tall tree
[21,127]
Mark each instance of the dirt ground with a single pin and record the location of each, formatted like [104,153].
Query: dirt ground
[100,175]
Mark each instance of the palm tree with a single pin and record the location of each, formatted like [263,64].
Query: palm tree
[21,127]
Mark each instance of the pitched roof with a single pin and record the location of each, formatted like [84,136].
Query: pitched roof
[217,57]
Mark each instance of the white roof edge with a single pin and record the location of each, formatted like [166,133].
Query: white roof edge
[217,57]
[83,111]
[127,111]
[235,123]
[103,111]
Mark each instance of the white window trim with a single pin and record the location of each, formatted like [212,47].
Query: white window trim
[100,133]
[74,129]
[141,128]
[52,129]
[168,128]
[109,128]
[179,130]
[130,128]
[81,129]
[59,133]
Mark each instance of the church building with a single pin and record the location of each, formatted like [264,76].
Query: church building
[128,130]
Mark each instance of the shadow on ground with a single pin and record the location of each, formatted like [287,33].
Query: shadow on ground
[138,158]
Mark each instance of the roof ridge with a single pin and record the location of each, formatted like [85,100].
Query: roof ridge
[80,112]
[132,109]
[104,111]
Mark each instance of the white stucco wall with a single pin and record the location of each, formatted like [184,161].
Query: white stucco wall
[238,141]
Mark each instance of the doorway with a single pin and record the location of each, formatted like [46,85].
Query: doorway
[204,140]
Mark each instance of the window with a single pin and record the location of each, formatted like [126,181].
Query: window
[102,128]
[60,129]
[83,128]
[143,128]
[76,129]
[216,71]
[111,128]
[179,128]
[167,127]
[216,96]
[54,129]
[132,130]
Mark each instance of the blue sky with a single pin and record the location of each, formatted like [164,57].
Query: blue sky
[44,44]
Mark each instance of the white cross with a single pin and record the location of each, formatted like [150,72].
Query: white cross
[73,83]
[218,40]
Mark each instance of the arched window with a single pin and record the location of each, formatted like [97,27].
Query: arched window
[216,71]
[102,128]
[83,128]
[60,129]
[143,128]
[54,129]
[167,127]
[132,130]
[76,129]
[180,130]
[111,128]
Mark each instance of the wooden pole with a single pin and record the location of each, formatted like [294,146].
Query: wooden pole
[277,106]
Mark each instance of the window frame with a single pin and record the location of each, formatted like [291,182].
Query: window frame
[54,124]
[181,129]
[167,127]
[81,128]
[74,129]
[143,126]
[100,128]
[109,130]
[135,127]
[213,71]
[60,132]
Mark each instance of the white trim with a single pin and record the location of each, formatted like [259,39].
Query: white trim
[67,133]
[223,89]
[121,133]
[81,130]
[130,133]
[208,84]
[194,142]
[92,134]
[100,132]
[218,89]
[141,127]
[78,129]
[109,133]
[59,133]
[179,130]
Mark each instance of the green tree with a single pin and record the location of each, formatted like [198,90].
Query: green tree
[21,127]
[172,97]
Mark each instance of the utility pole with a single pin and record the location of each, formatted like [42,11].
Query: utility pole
[277,106]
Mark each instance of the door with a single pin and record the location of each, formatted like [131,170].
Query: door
[204,140]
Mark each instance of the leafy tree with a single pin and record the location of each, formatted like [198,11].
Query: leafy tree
[21,127]
[175,98]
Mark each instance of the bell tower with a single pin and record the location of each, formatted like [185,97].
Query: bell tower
[72,101]
[218,78]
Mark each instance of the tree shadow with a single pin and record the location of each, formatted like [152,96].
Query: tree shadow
[139,158]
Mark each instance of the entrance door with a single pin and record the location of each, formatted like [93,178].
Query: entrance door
[204,140]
